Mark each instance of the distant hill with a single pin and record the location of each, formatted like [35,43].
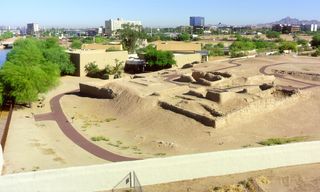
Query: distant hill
[293,21]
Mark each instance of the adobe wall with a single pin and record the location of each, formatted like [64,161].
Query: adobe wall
[183,59]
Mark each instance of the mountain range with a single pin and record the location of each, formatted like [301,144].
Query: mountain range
[293,21]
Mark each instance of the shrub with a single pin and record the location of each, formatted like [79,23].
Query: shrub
[317,53]
[92,69]
[273,35]
[235,54]
[76,44]
[157,60]
[315,40]
[215,50]
[287,45]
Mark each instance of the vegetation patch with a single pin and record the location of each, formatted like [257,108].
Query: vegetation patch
[281,141]
[93,70]
[99,138]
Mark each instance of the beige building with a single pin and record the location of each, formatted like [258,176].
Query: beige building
[94,46]
[80,58]
[179,47]
[184,52]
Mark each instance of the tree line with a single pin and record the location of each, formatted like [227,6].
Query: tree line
[33,67]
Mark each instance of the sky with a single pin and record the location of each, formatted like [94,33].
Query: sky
[152,13]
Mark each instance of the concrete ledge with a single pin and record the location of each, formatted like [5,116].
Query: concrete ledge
[163,170]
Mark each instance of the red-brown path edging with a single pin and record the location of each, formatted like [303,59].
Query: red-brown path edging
[69,131]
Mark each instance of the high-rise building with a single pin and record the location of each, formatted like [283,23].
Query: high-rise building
[197,22]
[113,25]
[32,28]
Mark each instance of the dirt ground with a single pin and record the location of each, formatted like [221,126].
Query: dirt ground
[135,129]
[134,125]
[33,146]
[289,179]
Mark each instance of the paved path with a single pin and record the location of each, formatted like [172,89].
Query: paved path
[308,85]
[66,127]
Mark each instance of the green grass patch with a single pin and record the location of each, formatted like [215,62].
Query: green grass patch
[281,141]
[110,119]
[99,138]
[160,154]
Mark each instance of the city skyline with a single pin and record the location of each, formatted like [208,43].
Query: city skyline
[164,13]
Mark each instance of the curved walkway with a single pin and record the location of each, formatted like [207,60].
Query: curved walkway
[308,85]
[262,70]
[66,127]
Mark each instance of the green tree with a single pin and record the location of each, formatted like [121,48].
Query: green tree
[159,59]
[57,55]
[315,40]
[6,35]
[76,44]
[27,72]
[184,37]
[288,45]
[272,34]
[129,35]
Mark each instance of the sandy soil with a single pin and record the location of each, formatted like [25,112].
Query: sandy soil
[137,123]
[135,126]
[289,179]
[33,146]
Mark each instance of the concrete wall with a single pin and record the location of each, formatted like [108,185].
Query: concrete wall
[183,59]
[178,47]
[95,46]
[102,58]
[163,170]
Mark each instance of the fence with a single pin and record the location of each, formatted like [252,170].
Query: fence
[129,183]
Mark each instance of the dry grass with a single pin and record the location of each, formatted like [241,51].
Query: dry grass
[281,141]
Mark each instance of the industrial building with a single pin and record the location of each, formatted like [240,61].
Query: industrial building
[286,29]
[112,25]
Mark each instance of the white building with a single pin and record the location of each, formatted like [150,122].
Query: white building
[314,27]
[32,28]
[113,25]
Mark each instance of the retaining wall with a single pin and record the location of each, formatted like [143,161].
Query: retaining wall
[163,170]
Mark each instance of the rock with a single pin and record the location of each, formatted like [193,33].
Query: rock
[185,78]
[186,66]
[107,93]
[155,94]
[204,82]
[265,86]
[211,77]
[195,93]
[222,74]
[138,77]
[198,74]
[195,62]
